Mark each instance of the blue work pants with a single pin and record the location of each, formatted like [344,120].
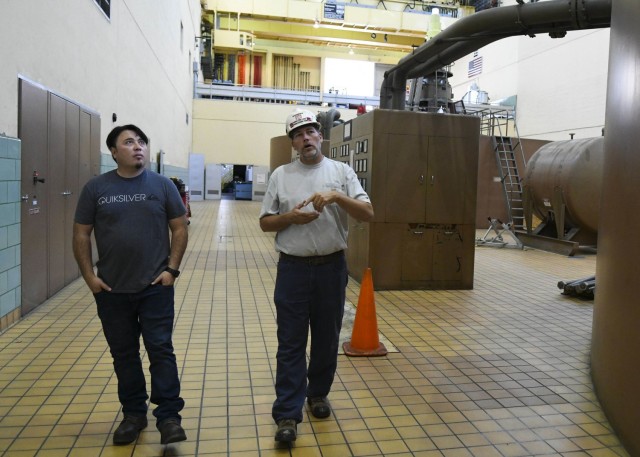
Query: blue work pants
[307,297]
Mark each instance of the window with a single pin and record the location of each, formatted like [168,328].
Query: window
[352,77]
[105,5]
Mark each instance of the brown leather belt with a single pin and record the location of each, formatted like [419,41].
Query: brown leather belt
[312,260]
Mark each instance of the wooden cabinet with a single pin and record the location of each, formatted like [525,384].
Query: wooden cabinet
[426,179]
[420,170]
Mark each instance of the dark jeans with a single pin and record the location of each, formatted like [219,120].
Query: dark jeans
[307,297]
[124,318]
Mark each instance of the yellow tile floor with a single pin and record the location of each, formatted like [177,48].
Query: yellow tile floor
[500,370]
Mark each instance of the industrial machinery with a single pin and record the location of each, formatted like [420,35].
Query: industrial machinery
[473,32]
[328,120]
[431,93]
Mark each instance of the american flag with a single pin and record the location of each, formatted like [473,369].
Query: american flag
[475,66]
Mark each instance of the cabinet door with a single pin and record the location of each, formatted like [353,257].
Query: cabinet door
[447,255]
[405,187]
[417,251]
[446,180]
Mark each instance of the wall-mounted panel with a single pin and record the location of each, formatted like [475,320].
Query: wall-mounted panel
[196,177]
[420,170]
[213,181]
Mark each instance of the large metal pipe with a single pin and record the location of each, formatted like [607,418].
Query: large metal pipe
[468,34]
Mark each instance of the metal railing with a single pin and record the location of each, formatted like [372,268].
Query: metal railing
[273,95]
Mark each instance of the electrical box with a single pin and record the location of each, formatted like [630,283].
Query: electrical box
[420,170]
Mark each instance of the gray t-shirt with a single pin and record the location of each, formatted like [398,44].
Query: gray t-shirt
[293,183]
[130,220]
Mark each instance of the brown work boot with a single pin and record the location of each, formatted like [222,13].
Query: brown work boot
[129,429]
[287,430]
[319,407]
[171,431]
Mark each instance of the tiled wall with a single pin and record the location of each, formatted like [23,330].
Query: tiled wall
[106,163]
[10,277]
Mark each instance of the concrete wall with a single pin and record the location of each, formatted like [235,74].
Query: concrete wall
[137,63]
[240,132]
[560,84]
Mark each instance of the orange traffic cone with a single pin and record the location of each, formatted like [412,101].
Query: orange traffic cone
[364,337]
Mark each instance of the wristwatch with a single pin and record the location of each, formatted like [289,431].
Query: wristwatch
[174,273]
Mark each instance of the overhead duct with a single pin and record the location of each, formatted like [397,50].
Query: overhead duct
[555,17]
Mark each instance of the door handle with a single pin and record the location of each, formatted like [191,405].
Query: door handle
[66,193]
[421,179]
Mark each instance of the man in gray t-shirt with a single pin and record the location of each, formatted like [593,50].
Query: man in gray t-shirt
[307,203]
[131,211]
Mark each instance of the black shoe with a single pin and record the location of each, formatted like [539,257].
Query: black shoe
[286,430]
[319,406]
[171,431]
[129,429]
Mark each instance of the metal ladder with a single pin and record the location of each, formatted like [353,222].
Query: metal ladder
[505,150]
[507,147]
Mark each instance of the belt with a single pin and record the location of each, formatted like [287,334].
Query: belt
[312,260]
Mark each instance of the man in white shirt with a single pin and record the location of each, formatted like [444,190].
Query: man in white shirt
[307,203]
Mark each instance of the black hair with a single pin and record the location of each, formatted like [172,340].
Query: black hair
[113,135]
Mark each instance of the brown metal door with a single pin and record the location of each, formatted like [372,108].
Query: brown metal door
[406,167]
[89,160]
[71,188]
[60,153]
[32,130]
[446,181]
[84,157]
[94,145]
[56,189]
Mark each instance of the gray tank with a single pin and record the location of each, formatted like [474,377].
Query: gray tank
[566,176]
